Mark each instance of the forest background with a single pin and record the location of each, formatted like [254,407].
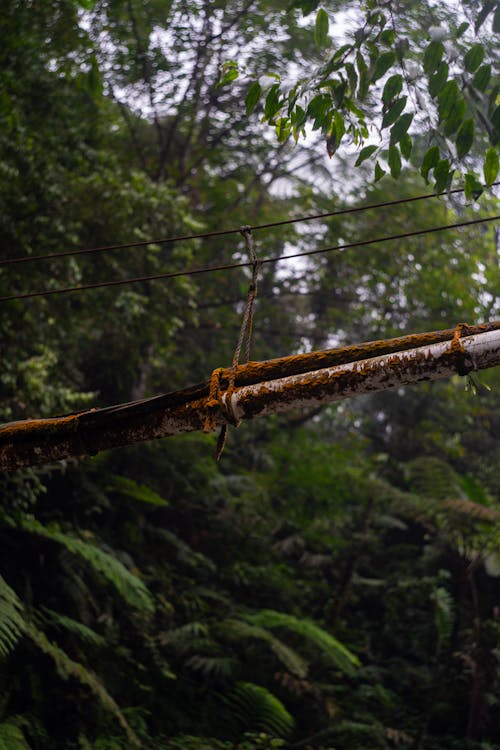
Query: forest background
[333,581]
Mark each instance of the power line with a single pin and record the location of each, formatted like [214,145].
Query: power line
[225,232]
[244,264]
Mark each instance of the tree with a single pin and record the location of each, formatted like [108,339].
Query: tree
[418,79]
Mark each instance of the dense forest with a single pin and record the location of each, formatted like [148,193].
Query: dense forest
[333,581]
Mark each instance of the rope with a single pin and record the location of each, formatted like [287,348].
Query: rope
[215,401]
[245,264]
[225,232]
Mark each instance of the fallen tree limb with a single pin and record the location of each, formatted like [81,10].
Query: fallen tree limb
[260,389]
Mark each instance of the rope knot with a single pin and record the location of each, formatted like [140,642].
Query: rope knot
[463,362]
[218,402]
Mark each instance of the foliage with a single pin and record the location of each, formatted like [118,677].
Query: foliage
[11,618]
[339,655]
[395,74]
[12,737]
[332,582]
[252,706]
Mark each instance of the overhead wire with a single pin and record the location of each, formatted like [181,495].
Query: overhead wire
[226,232]
[244,264]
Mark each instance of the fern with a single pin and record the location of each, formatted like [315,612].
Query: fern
[472,511]
[338,654]
[443,614]
[12,737]
[129,586]
[217,667]
[255,708]
[136,491]
[58,620]
[237,629]
[11,619]
[432,478]
[66,668]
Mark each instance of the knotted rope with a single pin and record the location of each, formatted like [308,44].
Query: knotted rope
[216,404]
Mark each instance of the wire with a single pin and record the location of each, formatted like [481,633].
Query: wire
[244,264]
[225,232]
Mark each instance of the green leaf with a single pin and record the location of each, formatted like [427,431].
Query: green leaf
[438,80]
[392,88]
[405,145]
[352,76]
[490,167]
[283,129]
[363,75]
[339,125]
[364,154]
[462,29]
[456,116]
[321,28]
[447,99]
[12,737]
[430,160]
[495,119]
[474,57]
[432,57]
[394,112]
[319,108]
[482,77]
[472,187]
[394,161]
[272,104]
[379,172]
[465,138]
[400,128]
[387,37]
[230,73]
[252,97]
[442,175]
[382,65]
[136,491]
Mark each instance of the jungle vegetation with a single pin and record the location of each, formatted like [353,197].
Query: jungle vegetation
[332,582]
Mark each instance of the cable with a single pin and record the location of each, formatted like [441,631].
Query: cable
[244,264]
[225,232]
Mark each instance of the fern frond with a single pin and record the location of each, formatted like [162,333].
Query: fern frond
[58,620]
[12,737]
[191,638]
[218,667]
[136,491]
[432,478]
[338,654]
[472,511]
[66,668]
[237,629]
[129,586]
[443,615]
[11,618]
[255,708]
